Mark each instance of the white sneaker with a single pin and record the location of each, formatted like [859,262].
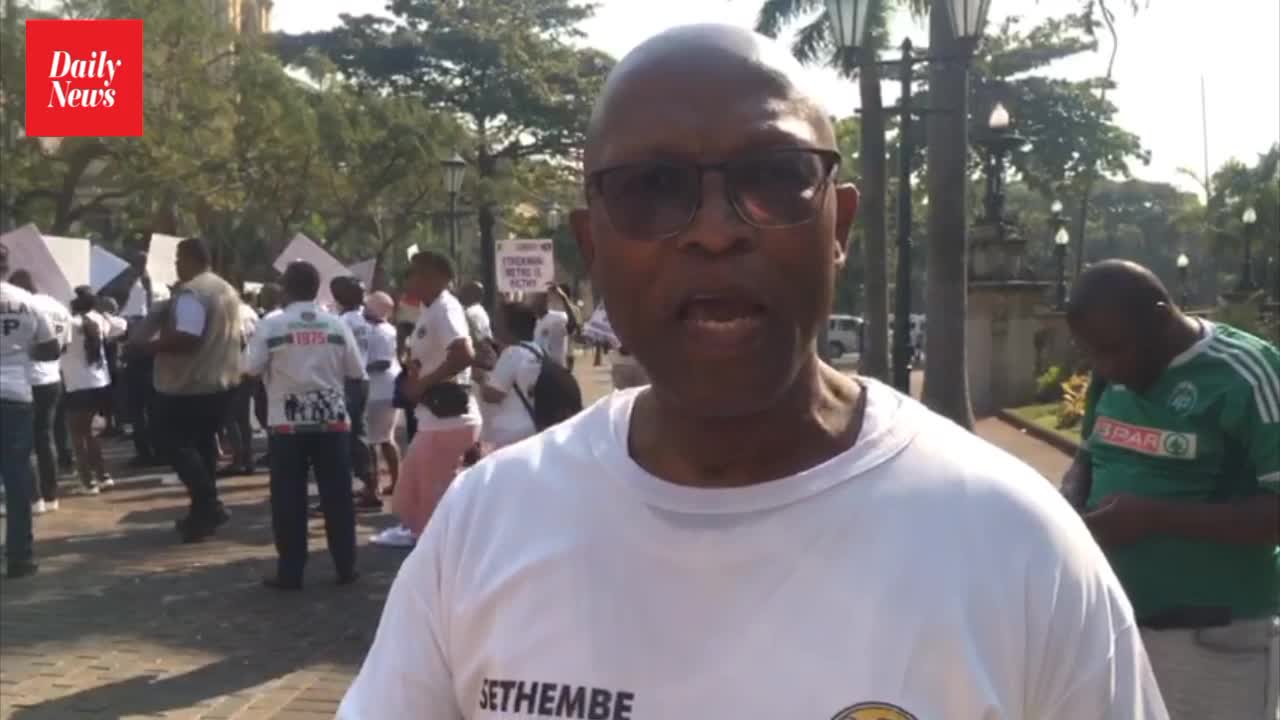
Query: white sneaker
[395,537]
[93,490]
[107,483]
[52,505]
[39,508]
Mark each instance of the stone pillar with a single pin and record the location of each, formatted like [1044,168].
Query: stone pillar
[1003,322]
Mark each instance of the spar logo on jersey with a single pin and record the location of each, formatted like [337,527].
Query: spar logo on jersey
[1183,398]
[873,711]
[1145,440]
[84,78]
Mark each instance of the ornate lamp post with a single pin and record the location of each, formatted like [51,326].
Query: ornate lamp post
[455,168]
[1184,268]
[994,259]
[1250,220]
[848,20]
[1061,239]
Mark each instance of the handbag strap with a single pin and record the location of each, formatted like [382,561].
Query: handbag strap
[528,406]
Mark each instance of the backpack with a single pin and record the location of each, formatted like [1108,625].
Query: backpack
[556,395]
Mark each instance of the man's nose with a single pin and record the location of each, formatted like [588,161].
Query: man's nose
[717,227]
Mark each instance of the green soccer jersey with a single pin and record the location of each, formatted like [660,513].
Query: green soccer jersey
[1207,431]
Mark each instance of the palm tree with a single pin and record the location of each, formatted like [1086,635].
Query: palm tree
[813,44]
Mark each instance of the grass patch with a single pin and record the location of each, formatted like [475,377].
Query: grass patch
[1045,415]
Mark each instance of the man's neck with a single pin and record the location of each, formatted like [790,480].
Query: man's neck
[819,417]
[1184,332]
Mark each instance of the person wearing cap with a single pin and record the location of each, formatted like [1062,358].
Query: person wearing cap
[383,366]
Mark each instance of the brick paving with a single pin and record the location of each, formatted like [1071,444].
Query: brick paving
[124,622]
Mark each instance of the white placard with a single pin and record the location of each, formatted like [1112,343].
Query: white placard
[304,248]
[525,265]
[29,251]
[363,270]
[162,259]
[413,250]
[73,256]
[104,266]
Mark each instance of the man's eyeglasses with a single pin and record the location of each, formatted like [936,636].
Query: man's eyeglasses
[769,190]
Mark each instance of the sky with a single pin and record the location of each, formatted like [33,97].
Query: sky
[1165,49]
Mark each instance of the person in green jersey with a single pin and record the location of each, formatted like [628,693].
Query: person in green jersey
[1179,481]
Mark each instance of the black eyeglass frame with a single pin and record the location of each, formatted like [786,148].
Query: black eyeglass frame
[830,159]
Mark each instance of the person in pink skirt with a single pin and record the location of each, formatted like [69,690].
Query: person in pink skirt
[439,380]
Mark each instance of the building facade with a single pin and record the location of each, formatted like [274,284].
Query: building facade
[250,17]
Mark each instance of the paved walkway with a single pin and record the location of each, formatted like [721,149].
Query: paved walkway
[124,622]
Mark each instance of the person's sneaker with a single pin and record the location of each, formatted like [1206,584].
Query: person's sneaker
[92,489]
[39,507]
[107,482]
[52,505]
[398,536]
[21,570]
[348,578]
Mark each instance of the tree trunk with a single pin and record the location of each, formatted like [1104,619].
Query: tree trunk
[875,258]
[946,384]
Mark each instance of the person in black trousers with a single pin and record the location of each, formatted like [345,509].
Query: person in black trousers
[304,356]
[46,394]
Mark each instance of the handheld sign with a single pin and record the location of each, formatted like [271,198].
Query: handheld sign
[525,265]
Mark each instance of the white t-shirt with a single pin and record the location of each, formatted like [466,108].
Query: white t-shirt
[552,335]
[360,329]
[509,421]
[304,356]
[50,371]
[77,372]
[22,327]
[189,315]
[478,321]
[439,325]
[922,569]
[382,347]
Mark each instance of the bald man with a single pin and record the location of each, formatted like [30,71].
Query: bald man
[755,534]
[1179,480]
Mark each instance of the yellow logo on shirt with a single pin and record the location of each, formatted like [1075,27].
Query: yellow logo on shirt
[873,711]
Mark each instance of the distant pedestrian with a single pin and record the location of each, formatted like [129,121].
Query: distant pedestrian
[348,293]
[304,356]
[508,390]
[383,365]
[88,381]
[196,345]
[46,392]
[26,336]
[556,326]
[439,382]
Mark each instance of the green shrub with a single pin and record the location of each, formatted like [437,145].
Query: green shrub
[1049,384]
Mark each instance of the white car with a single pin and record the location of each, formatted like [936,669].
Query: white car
[844,334]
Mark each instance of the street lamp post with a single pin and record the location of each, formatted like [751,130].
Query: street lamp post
[1250,220]
[998,143]
[454,170]
[848,19]
[1061,239]
[1184,268]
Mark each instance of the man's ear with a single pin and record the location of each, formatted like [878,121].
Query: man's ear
[846,211]
[580,222]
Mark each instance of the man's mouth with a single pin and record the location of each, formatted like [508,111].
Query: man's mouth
[722,319]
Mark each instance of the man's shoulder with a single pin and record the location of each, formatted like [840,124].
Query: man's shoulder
[15,294]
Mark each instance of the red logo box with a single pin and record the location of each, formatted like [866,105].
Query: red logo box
[84,78]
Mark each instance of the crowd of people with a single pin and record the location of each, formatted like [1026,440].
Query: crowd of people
[200,365]
[743,527]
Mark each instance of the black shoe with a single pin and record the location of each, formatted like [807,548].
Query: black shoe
[264,461]
[276,583]
[348,578]
[20,570]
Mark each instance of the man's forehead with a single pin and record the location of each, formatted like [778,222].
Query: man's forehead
[702,90]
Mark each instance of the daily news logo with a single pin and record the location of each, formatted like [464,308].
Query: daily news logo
[84,78]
